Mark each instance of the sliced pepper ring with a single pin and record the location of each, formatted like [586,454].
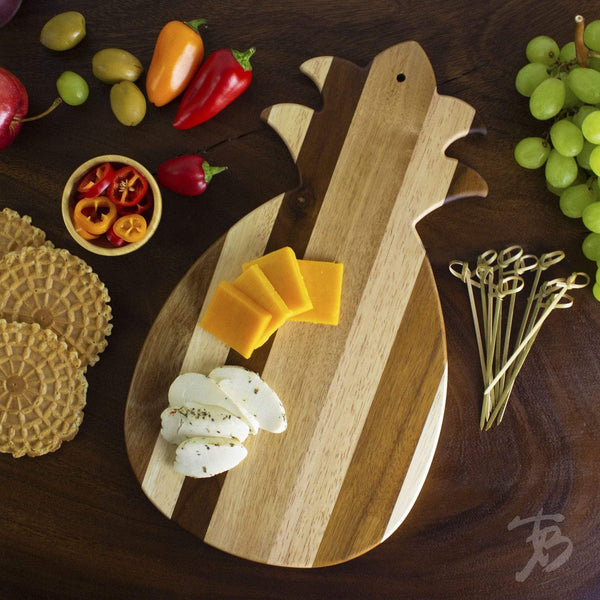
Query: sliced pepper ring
[94,215]
[131,228]
[96,180]
[128,187]
[146,203]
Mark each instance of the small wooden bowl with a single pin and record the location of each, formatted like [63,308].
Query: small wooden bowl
[101,245]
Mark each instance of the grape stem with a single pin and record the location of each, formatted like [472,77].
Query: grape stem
[580,48]
[47,111]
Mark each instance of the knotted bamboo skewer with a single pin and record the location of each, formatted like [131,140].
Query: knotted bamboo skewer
[499,276]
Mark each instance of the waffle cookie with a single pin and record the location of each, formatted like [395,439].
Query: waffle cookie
[59,291]
[17,232]
[42,390]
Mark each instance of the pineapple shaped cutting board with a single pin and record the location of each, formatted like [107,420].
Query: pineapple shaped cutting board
[364,399]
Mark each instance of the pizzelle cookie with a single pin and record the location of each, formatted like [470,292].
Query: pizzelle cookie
[17,232]
[42,390]
[59,291]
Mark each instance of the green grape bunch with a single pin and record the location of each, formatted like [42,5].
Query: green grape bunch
[563,87]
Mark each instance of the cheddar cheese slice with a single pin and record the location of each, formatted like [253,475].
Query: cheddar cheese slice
[282,270]
[324,283]
[255,284]
[235,319]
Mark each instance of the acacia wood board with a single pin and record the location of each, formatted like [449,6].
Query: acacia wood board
[364,399]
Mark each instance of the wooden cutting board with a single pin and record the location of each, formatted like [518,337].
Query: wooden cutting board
[364,399]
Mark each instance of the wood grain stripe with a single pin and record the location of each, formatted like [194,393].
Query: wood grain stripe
[397,415]
[204,352]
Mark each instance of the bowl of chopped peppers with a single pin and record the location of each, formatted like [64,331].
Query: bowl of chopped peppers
[111,205]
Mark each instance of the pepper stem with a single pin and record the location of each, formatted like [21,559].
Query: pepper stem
[210,171]
[195,24]
[47,111]
[244,58]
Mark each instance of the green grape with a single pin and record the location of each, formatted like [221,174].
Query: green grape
[571,100]
[591,246]
[73,88]
[529,77]
[566,138]
[582,113]
[596,291]
[532,152]
[594,186]
[542,49]
[547,99]
[561,171]
[583,158]
[598,275]
[595,160]
[591,217]
[574,199]
[557,191]
[585,83]
[568,52]
[591,35]
[591,127]
[594,63]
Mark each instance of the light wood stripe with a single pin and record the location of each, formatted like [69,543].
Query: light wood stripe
[243,242]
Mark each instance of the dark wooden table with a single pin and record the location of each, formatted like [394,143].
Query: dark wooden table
[75,523]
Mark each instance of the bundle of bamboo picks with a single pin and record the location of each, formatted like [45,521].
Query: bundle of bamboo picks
[503,347]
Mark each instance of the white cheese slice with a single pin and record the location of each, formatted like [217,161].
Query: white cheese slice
[195,389]
[208,456]
[249,391]
[181,422]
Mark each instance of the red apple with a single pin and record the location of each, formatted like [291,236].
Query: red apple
[8,9]
[14,104]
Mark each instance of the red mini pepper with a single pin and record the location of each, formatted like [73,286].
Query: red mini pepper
[187,175]
[224,75]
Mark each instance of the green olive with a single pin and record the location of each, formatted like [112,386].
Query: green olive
[128,103]
[63,31]
[112,65]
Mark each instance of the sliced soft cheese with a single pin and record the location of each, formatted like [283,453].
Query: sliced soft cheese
[248,390]
[195,389]
[208,456]
[181,422]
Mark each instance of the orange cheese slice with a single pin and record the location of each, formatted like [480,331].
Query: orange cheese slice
[282,270]
[324,283]
[255,284]
[235,319]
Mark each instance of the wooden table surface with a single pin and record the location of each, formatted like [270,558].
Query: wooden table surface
[76,524]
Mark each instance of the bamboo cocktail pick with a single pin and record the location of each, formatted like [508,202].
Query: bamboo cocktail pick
[500,277]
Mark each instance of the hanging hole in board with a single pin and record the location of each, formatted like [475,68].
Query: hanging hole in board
[400,77]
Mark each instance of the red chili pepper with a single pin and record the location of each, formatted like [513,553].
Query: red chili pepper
[188,175]
[127,187]
[224,75]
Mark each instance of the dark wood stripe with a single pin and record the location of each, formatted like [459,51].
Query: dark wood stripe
[410,379]
[318,156]
[152,378]
[316,163]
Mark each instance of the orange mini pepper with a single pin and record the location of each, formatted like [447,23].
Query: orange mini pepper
[178,52]
[94,215]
